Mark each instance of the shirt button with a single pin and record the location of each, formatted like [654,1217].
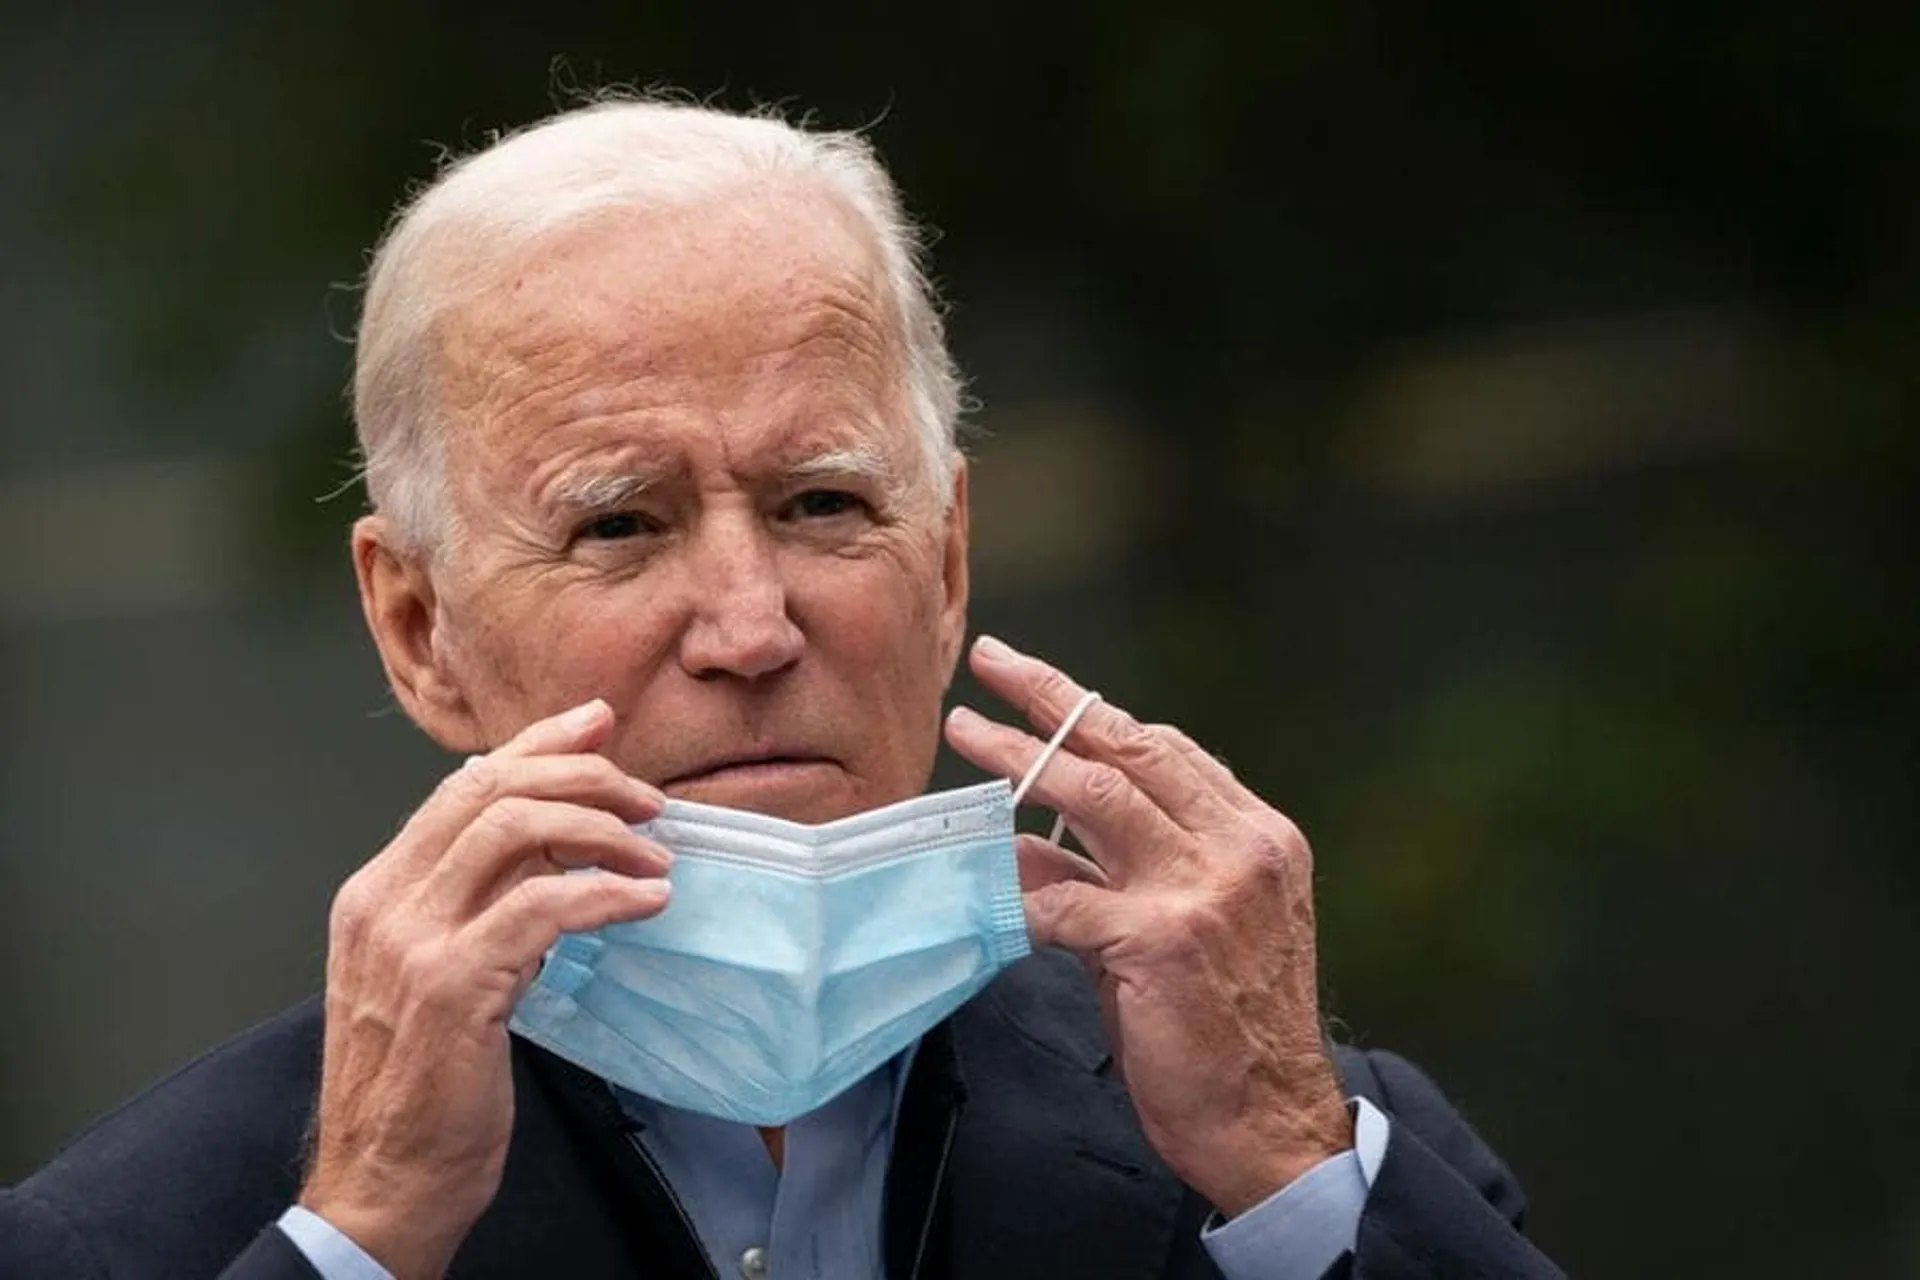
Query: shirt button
[753,1264]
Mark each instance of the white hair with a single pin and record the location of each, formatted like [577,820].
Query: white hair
[484,212]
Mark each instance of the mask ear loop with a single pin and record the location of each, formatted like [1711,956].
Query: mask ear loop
[1047,752]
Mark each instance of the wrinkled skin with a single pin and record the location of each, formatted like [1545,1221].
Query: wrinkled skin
[1194,912]
[657,523]
[697,553]
[429,946]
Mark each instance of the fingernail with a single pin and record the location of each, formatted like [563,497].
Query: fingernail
[963,715]
[993,650]
[583,715]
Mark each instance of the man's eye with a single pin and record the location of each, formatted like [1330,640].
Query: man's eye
[817,504]
[610,528]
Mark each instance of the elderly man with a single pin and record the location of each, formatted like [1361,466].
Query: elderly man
[669,540]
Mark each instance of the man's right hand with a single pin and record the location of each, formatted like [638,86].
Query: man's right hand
[430,944]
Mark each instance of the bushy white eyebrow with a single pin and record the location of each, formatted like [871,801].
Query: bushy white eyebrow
[861,463]
[597,492]
[602,491]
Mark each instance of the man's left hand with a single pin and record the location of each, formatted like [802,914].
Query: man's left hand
[1195,916]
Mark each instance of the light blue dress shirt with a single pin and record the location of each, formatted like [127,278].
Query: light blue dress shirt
[1303,1228]
[819,1216]
[331,1251]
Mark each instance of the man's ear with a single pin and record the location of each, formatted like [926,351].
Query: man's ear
[402,611]
[954,575]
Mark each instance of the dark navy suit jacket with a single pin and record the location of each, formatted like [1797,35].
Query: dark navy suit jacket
[1018,1157]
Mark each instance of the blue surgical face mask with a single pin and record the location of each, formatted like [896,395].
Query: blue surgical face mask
[793,959]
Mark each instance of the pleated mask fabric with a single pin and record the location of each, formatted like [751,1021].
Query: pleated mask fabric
[793,959]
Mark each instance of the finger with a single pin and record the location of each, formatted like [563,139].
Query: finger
[561,860]
[1215,770]
[1045,695]
[1123,830]
[1043,862]
[1081,917]
[519,927]
[517,837]
[581,779]
[581,728]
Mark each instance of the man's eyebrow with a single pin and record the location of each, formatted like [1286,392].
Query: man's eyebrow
[861,461]
[595,491]
[599,490]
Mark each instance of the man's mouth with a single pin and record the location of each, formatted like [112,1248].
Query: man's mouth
[747,768]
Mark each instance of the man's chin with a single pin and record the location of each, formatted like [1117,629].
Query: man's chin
[799,791]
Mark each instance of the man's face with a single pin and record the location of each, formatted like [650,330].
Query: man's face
[684,481]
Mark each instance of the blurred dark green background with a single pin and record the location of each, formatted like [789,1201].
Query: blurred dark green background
[1490,427]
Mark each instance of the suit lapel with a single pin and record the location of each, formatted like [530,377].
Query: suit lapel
[1018,1156]
[917,1215]
[1049,1174]
[576,1198]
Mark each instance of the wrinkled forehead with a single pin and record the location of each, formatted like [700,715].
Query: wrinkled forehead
[753,294]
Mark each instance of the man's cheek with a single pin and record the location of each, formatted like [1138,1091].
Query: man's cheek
[523,653]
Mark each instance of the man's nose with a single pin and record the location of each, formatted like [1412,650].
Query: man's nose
[739,625]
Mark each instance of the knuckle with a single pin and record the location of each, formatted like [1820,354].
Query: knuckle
[1060,904]
[476,782]
[418,964]
[1275,841]
[352,908]
[1134,738]
[542,896]
[1178,742]
[578,772]
[1183,743]
[608,827]
[601,838]
[387,940]
[434,970]
[508,820]
[1273,862]
[1103,783]
[1053,690]
[1256,880]
[1144,744]
[602,772]
[347,900]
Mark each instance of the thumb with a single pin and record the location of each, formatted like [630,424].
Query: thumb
[1084,918]
[1042,862]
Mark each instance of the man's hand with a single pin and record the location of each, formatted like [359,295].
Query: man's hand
[430,945]
[1196,919]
